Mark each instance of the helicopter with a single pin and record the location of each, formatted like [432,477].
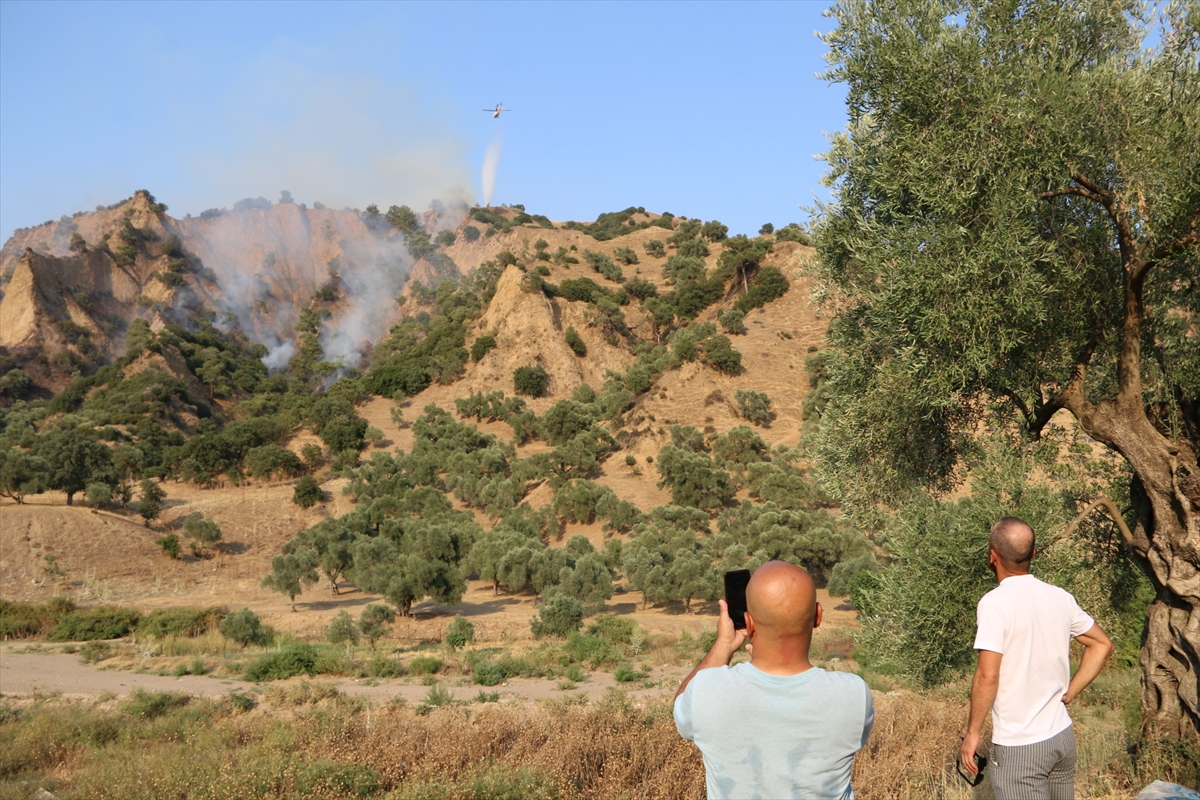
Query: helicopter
[496,111]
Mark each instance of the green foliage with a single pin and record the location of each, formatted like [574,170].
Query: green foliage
[768,284]
[714,231]
[75,459]
[181,622]
[575,342]
[402,218]
[269,460]
[482,346]
[374,621]
[149,705]
[625,255]
[25,620]
[201,531]
[170,545]
[22,474]
[733,321]
[692,478]
[655,248]
[558,616]
[291,571]
[470,233]
[15,383]
[294,659]
[243,627]
[150,500]
[754,407]
[767,229]
[611,224]
[460,632]
[600,262]
[341,629]
[792,232]
[424,665]
[679,268]
[344,433]
[102,622]
[845,573]
[531,381]
[720,354]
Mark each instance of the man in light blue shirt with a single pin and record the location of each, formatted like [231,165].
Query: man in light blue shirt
[776,727]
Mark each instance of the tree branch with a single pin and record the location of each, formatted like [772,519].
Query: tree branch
[1113,511]
[1071,397]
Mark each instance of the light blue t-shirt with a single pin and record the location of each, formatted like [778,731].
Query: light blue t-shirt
[776,736]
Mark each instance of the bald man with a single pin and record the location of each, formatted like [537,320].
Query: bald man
[1023,674]
[775,727]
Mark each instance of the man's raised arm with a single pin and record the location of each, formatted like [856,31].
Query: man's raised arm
[729,639]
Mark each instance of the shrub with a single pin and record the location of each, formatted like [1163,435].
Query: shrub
[243,627]
[575,342]
[692,248]
[558,616]
[460,632]
[308,492]
[655,248]
[604,265]
[733,321]
[769,284]
[103,622]
[766,230]
[641,288]
[531,381]
[201,531]
[721,356]
[181,621]
[754,407]
[373,621]
[714,231]
[170,545]
[341,630]
[445,238]
[470,233]
[424,665]
[792,232]
[844,573]
[149,705]
[625,255]
[283,664]
[98,494]
[482,346]
[23,620]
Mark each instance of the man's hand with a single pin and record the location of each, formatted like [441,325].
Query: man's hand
[966,754]
[1096,649]
[729,639]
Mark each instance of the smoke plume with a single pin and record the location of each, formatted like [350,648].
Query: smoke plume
[491,160]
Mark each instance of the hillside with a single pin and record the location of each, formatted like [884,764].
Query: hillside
[286,278]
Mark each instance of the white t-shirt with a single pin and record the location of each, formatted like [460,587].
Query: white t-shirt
[1031,624]
[776,736]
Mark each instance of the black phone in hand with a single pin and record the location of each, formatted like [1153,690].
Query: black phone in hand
[735,596]
[977,778]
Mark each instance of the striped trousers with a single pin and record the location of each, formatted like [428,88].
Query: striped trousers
[1040,771]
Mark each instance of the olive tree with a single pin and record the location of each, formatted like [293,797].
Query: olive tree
[1014,231]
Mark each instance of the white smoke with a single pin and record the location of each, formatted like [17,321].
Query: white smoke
[491,160]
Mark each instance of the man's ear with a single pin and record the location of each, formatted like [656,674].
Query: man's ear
[817,615]
[749,625]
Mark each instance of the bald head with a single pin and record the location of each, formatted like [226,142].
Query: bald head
[1012,539]
[781,599]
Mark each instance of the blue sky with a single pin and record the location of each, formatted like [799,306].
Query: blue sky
[708,110]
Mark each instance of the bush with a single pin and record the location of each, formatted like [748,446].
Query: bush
[181,621]
[424,665]
[98,494]
[341,630]
[655,248]
[625,255]
[604,265]
[767,229]
[460,632]
[243,627]
[470,233]
[792,232]
[559,615]
[844,573]
[733,321]
[103,622]
[720,354]
[445,238]
[170,545]
[754,407]
[308,492]
[149,705]
[23,620]
[531,381]
[201,531]
[641,288]
[283,664]
[482,346]
[769,284]
[575,342]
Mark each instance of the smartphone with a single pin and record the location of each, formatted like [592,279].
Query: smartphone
[980,766]
[735,595]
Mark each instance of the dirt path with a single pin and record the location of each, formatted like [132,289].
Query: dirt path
[23,674]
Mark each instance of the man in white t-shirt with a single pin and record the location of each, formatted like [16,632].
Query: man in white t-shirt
[1023,675]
